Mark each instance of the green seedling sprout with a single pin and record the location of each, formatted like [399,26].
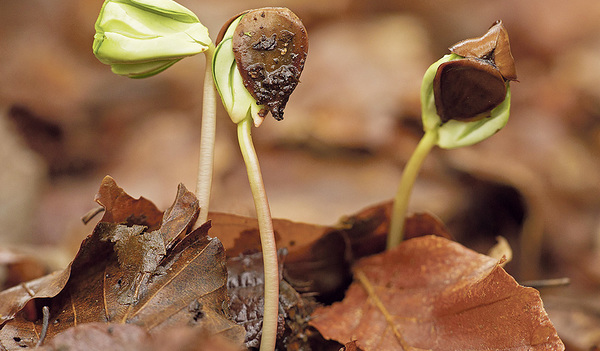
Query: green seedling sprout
[257,64]
[141,38]
[465,99]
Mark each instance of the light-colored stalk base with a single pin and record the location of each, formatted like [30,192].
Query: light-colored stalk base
[207,139]
[267,236]
[411,170]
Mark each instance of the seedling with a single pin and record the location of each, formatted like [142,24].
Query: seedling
[141,38]
[465,98]
[257,65]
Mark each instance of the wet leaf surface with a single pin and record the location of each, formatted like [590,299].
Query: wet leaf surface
[125,272]
[431,293]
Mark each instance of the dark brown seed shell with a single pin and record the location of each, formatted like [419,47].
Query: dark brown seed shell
[270,46]
[493,45]
[467,89]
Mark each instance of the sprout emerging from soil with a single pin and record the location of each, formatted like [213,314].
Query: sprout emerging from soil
[257,65]
[465,99]
[141,38]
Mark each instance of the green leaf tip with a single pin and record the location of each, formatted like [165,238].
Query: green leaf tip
[237,100]
[140,38]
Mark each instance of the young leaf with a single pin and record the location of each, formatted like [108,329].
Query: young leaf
[140,38]
[237,100]
[466,94]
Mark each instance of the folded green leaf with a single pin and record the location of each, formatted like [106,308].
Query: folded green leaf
[237,100]
[142,38]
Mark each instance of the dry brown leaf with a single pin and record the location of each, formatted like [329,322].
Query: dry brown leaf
[240,234]
[431,293]
[125,273]
[351,346]
[319,257]
[122,208]
[100,336]
[130,337]
[323,265]
[19,266]
[14,299]
[501,251]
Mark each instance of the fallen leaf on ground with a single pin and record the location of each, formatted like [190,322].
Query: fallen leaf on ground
[240,234]
[19,267]
[350,346]
[323,266]
[130,337]
[577,318]
[433,294]
[139,266]
[319,257]
[501,251]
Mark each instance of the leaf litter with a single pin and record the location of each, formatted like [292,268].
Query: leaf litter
[149,269]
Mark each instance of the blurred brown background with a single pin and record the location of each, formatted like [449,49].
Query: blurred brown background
[66,121]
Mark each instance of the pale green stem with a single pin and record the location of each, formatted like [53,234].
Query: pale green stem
[207,139]
[267,236]
[409,175]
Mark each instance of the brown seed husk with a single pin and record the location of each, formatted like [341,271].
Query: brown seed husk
[270,47]
[467,89]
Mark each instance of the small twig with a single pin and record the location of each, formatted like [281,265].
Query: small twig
[547,283]
[28,289]
[45,322]
[91,214]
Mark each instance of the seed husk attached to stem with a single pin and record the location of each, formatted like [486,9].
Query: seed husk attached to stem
[258,61]
[270,47]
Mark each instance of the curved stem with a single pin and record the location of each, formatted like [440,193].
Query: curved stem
[267,236]
[409,175]
[207,139]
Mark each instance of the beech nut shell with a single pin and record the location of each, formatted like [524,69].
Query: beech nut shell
[270,46]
